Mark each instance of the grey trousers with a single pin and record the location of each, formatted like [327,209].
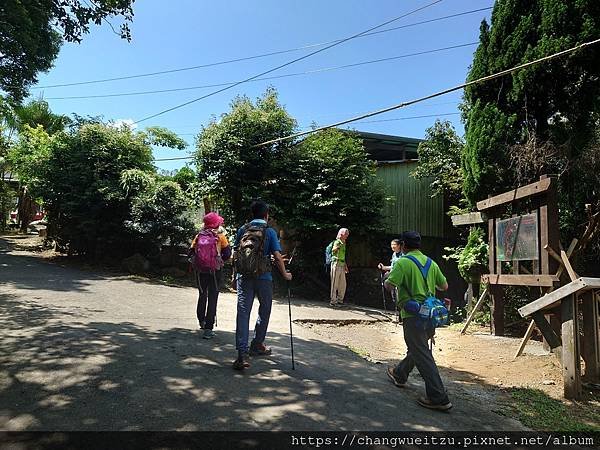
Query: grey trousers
[416,337]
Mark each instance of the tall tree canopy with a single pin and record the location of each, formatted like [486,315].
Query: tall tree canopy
[321,183]
[440,159]
[31,32]
[326,182]
[231,170]
[549,111]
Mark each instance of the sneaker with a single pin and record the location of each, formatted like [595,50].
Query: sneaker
[201,325]
[333,305]
[392,376]
[242,362]
[259,350]
[208,334]
[426,403]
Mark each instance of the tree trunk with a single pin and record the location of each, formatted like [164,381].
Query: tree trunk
[25,209]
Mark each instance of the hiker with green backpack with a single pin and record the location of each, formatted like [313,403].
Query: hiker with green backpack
[417,277]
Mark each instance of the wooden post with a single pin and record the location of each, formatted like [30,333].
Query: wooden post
[549,229]
[548,333]
[469,298]
[496,292]
[525,339]
[590,346]
[570,348]
[549,236]
[474,310]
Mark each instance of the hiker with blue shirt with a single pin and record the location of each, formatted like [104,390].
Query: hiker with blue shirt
[255,243]
[416,277]
[396,247]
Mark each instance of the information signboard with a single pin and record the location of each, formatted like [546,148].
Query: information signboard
[517,238]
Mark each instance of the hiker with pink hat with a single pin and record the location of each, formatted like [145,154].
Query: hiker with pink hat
[209,250]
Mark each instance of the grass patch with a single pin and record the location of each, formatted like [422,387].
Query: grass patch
[359,351]
[456,326]
[536,410]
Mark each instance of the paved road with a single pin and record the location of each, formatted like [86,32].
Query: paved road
[81,350]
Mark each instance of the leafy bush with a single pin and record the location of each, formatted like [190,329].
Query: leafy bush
[99,187]
[472,259]
[158,209]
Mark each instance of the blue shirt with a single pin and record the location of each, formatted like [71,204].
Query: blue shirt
[271,246]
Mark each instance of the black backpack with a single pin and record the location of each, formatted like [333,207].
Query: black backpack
[249,257]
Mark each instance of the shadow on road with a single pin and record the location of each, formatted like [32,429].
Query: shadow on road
[123,376]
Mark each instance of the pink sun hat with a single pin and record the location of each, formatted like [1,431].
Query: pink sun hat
[212,220]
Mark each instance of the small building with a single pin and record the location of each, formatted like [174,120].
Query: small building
[409,205]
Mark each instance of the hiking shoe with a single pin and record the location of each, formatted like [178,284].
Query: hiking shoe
[259,350]
[426,403]
[208,334]
[242,362]
[394,378]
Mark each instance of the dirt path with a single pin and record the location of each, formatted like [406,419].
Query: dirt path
[476,357]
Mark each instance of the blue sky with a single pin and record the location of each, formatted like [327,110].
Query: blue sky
[188,33]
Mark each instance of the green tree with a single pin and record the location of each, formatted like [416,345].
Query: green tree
[185,178]
[78,174]
[31,32]
[325,182]
[14,120]
[38,112]
[440,160]
[159,209]
[552,105]
[231,170]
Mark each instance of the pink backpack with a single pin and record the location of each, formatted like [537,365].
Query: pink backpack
[207,257]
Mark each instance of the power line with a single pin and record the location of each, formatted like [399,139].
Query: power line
[395,119]
[181,105]
[263,55]
[308,72]
[437,94]
[366,121]
[174,159]
[323,116]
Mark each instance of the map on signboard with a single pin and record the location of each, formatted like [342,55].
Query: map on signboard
[517,238]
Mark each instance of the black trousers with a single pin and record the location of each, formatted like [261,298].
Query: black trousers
[208,293]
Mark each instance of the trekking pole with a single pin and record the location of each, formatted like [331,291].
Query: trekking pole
[289,295]
[382,289]
[217,294]
[291,333]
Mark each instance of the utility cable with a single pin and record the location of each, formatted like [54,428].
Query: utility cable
[263,55]
[437,94]
[395,119]
[354,36]
[366,121]
[274,77]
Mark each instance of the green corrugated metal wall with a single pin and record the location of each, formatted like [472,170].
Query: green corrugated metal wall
[410,206]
